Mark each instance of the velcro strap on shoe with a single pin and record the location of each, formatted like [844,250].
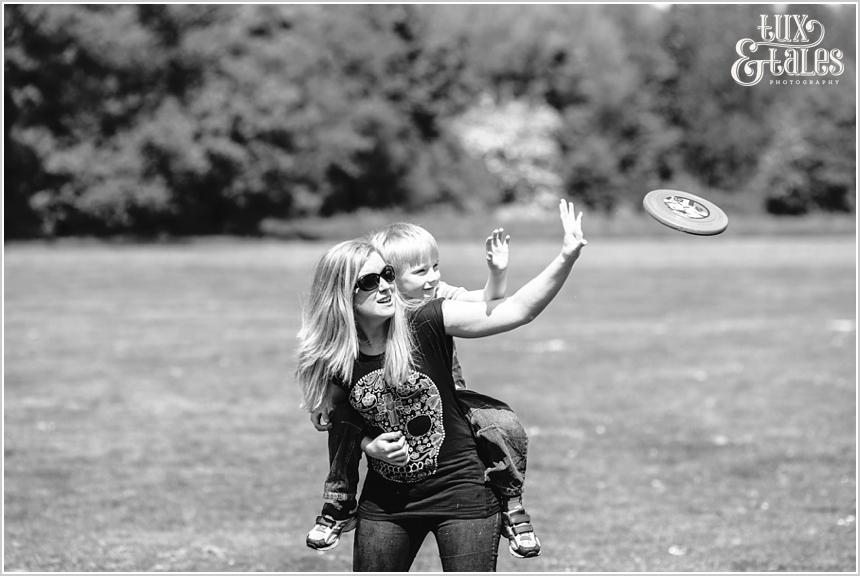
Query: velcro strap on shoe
[518,516]
[518,529]
[325,521]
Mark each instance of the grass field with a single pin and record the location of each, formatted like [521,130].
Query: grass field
[690,403]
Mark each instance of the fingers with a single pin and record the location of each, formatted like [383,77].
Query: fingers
[319,421]
[497,239]
[566,208]
[392,441]
[568,215]
[390,447]
[571,221]
[395,448]
[568,212]
[399,456]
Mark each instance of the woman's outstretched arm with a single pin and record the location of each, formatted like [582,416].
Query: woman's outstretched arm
[474,320]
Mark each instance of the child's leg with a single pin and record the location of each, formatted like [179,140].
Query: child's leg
[502,441]
[344,453]
[341,484]
[503,446]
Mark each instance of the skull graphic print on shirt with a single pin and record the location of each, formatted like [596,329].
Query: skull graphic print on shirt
[415,409]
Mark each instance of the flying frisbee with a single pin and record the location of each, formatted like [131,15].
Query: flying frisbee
[685,212]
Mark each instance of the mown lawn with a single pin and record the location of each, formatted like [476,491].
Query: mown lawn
[690,403]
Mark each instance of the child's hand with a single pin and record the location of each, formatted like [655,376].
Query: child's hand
[497,250]
[572,223]
[321,418]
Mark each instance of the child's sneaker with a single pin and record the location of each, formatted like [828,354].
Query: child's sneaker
[517,526]
[325,534]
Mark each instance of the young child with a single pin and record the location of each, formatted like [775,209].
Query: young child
[501,439]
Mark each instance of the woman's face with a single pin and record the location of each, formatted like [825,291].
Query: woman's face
[377,303]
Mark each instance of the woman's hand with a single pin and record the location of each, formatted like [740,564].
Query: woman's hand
[390,447]
[572,223]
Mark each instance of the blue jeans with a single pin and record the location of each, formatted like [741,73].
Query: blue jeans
[470,545]
[501,439]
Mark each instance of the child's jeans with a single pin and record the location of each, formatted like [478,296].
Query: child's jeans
[501,439]
[344,454]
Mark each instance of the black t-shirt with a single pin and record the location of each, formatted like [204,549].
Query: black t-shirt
[444,476]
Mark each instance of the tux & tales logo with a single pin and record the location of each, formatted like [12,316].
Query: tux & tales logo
[789,50]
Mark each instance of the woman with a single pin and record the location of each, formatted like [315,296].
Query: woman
[424,474]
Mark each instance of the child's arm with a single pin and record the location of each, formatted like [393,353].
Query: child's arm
[497,279]
[497,262]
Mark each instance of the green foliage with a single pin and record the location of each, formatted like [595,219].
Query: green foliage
[198,119]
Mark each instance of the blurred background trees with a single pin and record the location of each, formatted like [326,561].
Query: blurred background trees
[201,119]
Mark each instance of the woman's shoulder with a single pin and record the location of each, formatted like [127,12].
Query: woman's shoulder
[427,322]
[427,311]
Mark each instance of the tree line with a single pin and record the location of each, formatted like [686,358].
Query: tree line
[203,119]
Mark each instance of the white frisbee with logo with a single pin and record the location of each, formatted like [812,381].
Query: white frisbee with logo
[685,212]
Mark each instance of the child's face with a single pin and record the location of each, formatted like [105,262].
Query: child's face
[418,281]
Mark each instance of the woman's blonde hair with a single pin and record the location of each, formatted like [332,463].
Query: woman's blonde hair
[404,244]
[328,338]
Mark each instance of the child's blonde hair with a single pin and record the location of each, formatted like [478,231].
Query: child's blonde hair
[328,338]
[404,244]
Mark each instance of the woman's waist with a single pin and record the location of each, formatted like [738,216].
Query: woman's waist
[465,496]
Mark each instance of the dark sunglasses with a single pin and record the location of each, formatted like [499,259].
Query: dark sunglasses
[370,282]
